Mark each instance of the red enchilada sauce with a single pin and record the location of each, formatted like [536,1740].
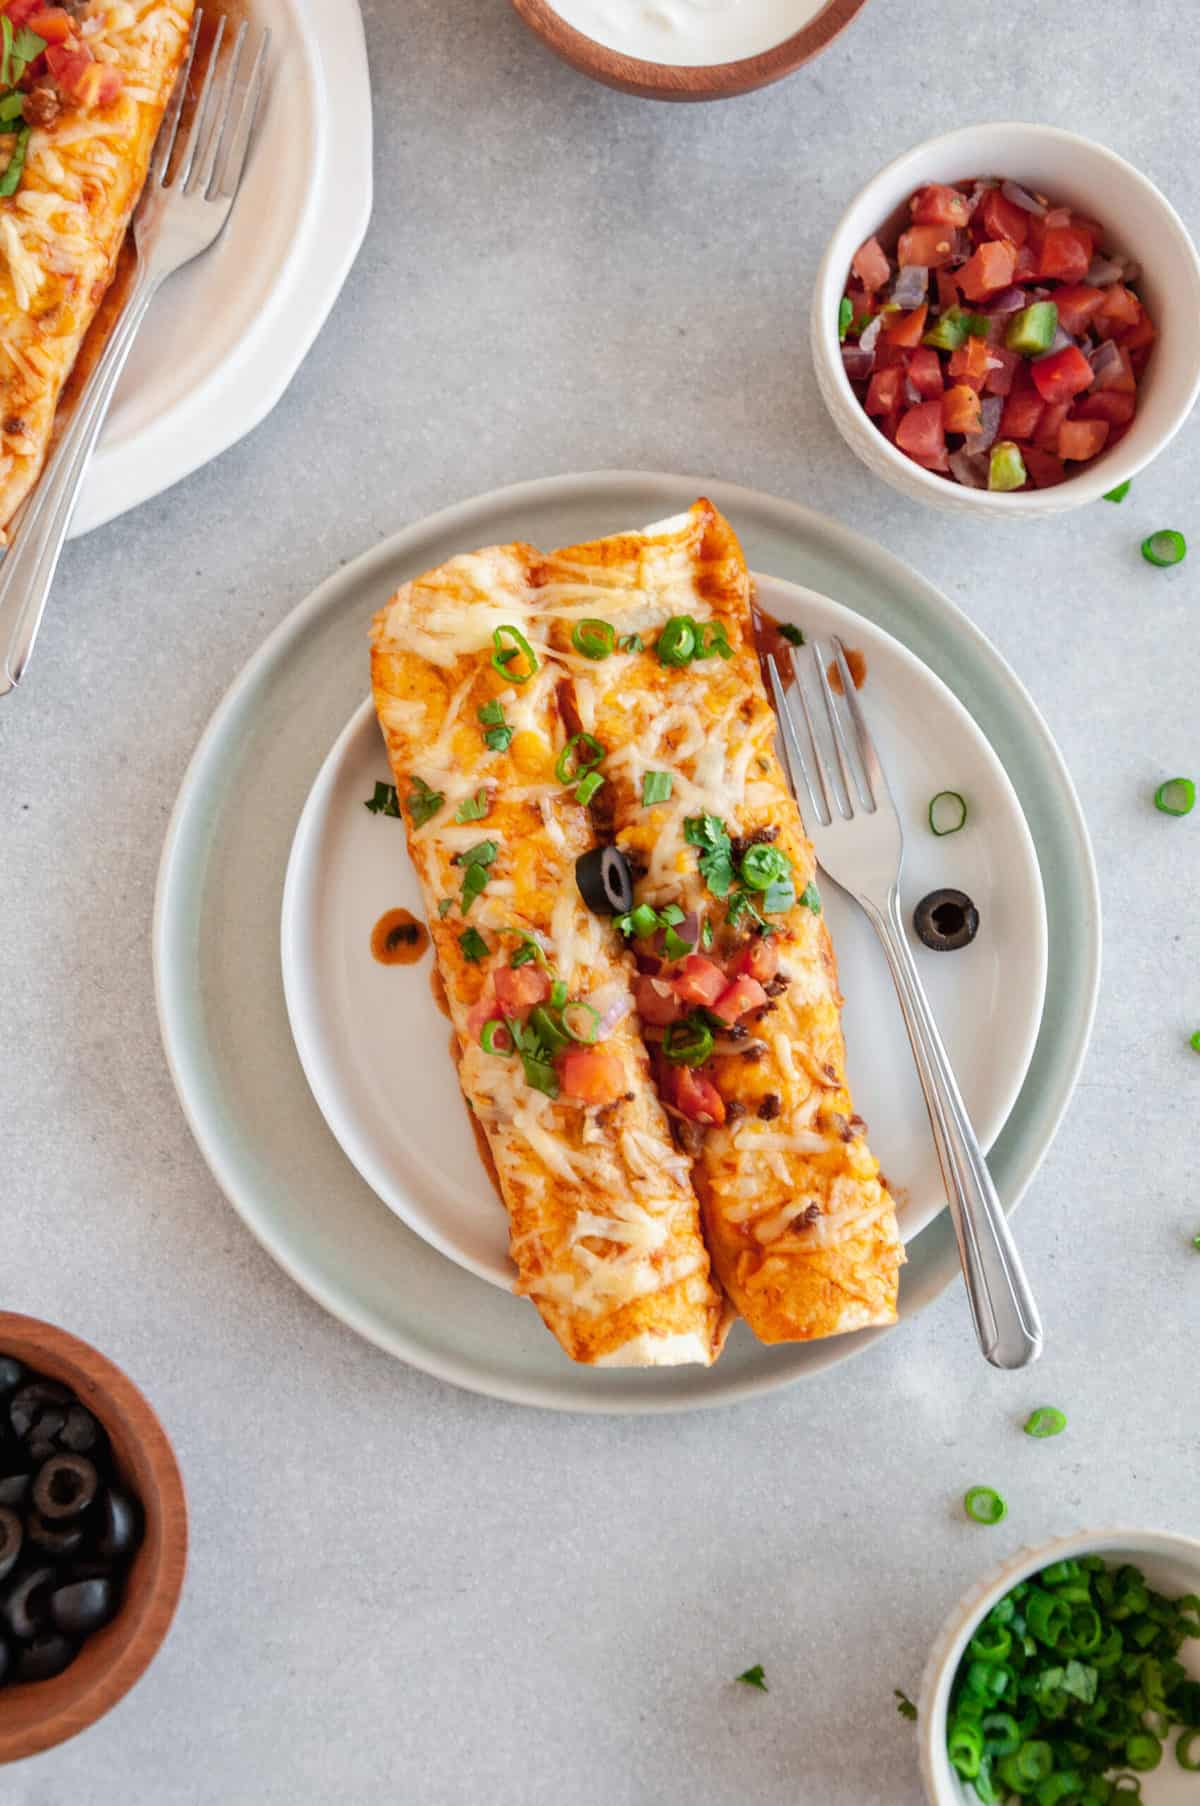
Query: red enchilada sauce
[398,938]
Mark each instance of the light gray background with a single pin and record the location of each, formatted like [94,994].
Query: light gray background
[400,1593]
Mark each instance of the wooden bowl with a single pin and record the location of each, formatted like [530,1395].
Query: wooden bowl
[36,1715]
[677,81]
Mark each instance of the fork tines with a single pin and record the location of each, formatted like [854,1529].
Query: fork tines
[831,783]
[222,119]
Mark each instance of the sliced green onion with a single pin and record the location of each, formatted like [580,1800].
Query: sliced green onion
[984,1505]
[6,28]
[791,634]
[581,1021]
[558,994]
[688,1043]
[630,642]
[1176,797]
[504,657]
[845,315]
[587,786]
[496,1036]
[473,945]
[706,941]
[445,906]
[595,639]
[964,1746]
[643,920]
[548,1028]
[1163,548]
[711,638]
[474,808]
[1001,1733]
[10,181]
[656,787]
[947,813]
[1143,1752]
[529,949]
[571,763]
[764,865]
[1062,1786]
[1187,1750]
[1119,493]
[674,945]
[676,644]
[1047,1420]
[1048,1618]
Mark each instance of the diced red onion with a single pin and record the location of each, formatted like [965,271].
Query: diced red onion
[960,247]
[912,394]
[857,363]
[1021,197]
[648,963]
[1058,217]
[977,193]
[970,469]
[870,333]
[613,1002]
[1102,272]
[1008,301]
[997,326]
[1104,359]
[989,425]
[1059,342]
[911,285]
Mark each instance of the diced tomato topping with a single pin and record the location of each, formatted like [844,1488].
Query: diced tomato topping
[1076,304]
[905,329]
[20,12]
[1118,375]
[1002,219]
[1062,374]
[656,1001]
[518,988]
[1027,264]
[1113,405]
[925,372]
[591,1075]
[745,993]
[51,23]
[1022,408]
[1045,469]
[989,270]
[969,361]
[759,958]
[861,302]
[961,409]
[885,390]
[92,84]
[1003,365]
[1119,308]
[888,355]
[948,292]
[921,433]
[1052,418]
[1141,336]
[1081,439]
[481,1011]
[937,205]
[692,1093]
[699,980]
[1065,255]
[929,246]
[871,265]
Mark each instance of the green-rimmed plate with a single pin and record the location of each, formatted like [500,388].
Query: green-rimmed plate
[216,943]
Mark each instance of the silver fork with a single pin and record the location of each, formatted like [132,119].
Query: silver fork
[181,213]
[856,832]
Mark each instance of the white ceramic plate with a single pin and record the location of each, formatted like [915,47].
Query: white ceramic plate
[374,1045]
[227,334]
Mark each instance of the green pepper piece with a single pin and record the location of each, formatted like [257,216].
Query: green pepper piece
[954,327]
[1006,467]
[1032,330]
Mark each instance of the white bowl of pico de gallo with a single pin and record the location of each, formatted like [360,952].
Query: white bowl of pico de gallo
[1004,321]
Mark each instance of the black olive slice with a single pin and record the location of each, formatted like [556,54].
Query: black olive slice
[120,1529]
[83,1606]
[56,1538]
[605,881]
[946,920]
[46,1656]
[11,1374]
[25,1605]
[39,1409]
[14,1488]
[65,1487]
[11,1538]
[81,1432]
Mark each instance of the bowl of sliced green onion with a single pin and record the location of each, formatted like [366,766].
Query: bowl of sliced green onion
[1070,1676]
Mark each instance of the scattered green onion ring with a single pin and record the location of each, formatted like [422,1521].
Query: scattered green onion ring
[713,638]
[503,657]
[1187,1750]
[587,786]
[566,769]
[558,994]
[581,1021]
[1164,548]
[1176,797]
[595,639]
[764,865]
[953,818]
[1120,492]
[492,1030]
[548,1029]
[1194,1042]
[1047,1420]
[676,643]
[983,1505]
[688,1043]
[1143,1751]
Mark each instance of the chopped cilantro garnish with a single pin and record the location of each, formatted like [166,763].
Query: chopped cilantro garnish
[535,1058]
[656,787]
[670,915]
[743,904]
[810,896]
[473,945]
[781,897]
[904,1705]
[491,717]
[791,634]
[445,906]
[491,714]
[709,834]
[499,739]
[423,803]
[476,859]
[674,945]
[706,934]
[482,853]
[755,1677]
[384,801]
[473,808]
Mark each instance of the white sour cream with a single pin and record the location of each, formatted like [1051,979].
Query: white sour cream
[691,32]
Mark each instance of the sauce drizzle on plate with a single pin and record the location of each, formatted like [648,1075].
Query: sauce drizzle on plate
[398,938]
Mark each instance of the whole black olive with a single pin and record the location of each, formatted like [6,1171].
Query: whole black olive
[61,1538]
[83,1606]
[65,1487]
[11,1538]
[946,920]
[25,1602]
[14,1488]
[81,1432]
[11,1374]
[46,1656]
[605,881]
[39,1409]
[118,1531]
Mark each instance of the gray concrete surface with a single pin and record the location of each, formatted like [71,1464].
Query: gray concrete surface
[400,1593]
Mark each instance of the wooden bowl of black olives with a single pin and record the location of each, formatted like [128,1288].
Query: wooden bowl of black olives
[93,1535]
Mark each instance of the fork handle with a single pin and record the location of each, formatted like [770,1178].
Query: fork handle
[1002,1306]
[29,564]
